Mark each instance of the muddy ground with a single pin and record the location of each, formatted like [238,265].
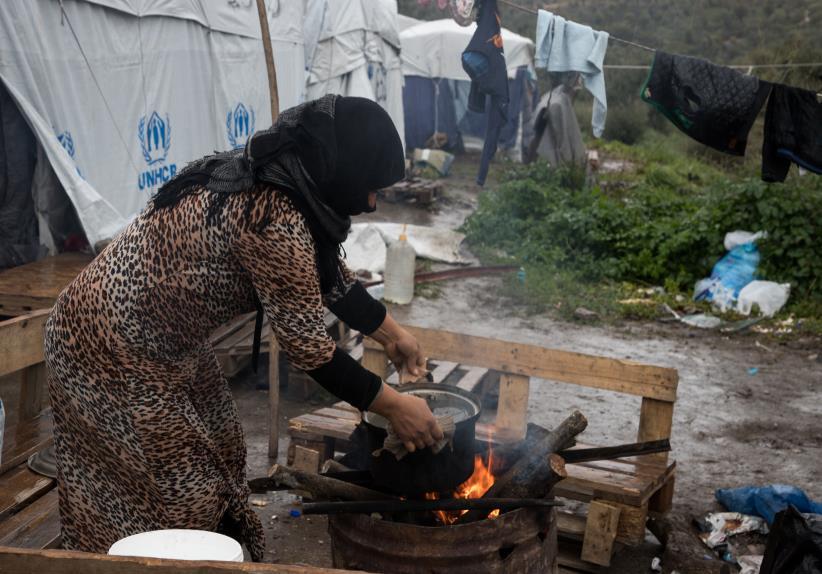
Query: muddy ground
[731,428]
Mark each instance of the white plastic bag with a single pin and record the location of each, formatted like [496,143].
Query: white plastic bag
[770,297]
[734,238]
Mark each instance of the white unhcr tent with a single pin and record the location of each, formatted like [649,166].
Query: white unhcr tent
[436,86]
[352,48]
[121,94]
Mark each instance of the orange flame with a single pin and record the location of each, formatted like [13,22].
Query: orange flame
[476,485]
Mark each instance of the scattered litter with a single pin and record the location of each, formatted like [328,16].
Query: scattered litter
[813,357]
[702,321]
[731,273]
[761,346]
[737,326]
[258,502]
[794,545]
[274,517]
[585,314]
[365,247]
[294,513]
[753,370]
[749,564]
[718,526]
[766,501]
[769,296]
[656,564]
[436,158]
[637,301]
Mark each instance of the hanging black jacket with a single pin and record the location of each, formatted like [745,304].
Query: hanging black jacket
[793,132]
[713,104]
[484,62]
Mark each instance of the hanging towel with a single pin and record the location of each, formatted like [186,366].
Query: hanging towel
[713,104]
[793,132]
[484,62]
[564,46]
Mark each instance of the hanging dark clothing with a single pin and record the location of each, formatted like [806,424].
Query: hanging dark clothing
[484,62]
[713,104]
[793,132]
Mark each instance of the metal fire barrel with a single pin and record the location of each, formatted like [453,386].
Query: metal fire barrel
[523,541]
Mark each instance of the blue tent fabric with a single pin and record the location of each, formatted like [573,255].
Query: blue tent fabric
[421,120]
[452,117]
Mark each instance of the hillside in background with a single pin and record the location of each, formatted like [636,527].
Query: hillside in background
[725,32]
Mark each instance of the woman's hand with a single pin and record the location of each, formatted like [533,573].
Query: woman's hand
[402,348]
[406,355]
[410,417]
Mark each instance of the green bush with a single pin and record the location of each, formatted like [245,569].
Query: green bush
[664,224]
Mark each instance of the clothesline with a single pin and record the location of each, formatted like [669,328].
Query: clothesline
[614,38]
[739,66]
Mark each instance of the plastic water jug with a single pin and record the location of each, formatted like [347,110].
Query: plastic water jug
[400,259]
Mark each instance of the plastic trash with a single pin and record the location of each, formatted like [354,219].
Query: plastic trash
[656,564]
[436,158]
[736,238]
[731,273]
[702,321]
[749,564]
[400,260]
[718,526]
[766,501]
[794,545]
[294,513]
[753,370]
[769,296]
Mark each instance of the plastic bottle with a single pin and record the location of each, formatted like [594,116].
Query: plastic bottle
[400,259]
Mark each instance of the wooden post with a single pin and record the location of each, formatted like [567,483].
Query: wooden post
[600,532]
[512,412]
[273,397]
[655,422]
[269,62]
[374,358]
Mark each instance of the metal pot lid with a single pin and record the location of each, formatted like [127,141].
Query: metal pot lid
[442,400]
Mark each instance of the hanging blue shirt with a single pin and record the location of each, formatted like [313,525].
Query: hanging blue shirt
[484,62]
[564,46]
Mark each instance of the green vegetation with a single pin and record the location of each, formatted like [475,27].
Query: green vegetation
[660,222]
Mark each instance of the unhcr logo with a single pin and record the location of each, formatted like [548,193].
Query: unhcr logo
[155,141]
[239,124]
[67,142]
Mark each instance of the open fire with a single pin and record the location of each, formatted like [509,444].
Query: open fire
[477,484]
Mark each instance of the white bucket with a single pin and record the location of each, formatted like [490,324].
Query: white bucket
[179,545]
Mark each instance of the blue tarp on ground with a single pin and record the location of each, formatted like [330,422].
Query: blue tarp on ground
[450,115]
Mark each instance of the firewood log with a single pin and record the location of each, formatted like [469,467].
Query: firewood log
[534,475]
[322,487]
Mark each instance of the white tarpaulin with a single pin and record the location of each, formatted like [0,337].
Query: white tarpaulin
[352,48]
[433,49]
[187,81]
[365,247]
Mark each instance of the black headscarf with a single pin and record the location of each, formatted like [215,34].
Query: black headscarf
[326,155]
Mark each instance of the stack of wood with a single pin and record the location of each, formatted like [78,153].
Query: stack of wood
[534,470]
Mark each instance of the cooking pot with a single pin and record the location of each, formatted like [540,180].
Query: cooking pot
[423,471]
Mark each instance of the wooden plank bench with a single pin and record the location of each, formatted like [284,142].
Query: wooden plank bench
[619,494]
[28,502]
[36,285]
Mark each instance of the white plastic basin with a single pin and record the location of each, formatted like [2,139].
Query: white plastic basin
[179,545]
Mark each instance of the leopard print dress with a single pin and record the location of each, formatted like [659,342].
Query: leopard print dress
[147,434]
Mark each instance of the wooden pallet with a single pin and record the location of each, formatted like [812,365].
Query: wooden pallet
[37,285]
[420,190]
[28,502]
[619,494]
